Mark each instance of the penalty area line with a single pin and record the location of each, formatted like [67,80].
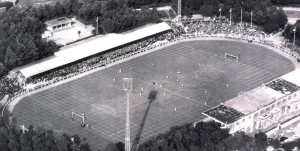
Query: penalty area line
[122,130]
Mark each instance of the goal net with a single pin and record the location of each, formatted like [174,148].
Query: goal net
[231,56]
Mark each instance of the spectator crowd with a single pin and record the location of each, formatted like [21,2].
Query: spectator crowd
[187,28]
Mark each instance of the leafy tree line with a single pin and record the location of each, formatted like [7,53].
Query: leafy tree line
[205,136]
[20,40]
[136,3]
[285,2]
[268,17]
[208,136]
[114,15]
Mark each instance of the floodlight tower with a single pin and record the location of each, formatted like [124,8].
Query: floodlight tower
[128,88]
[179,11]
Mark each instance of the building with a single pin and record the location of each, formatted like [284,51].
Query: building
[260,109]
[59,24]
[2,9]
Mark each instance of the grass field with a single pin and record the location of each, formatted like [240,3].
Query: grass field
[202,66]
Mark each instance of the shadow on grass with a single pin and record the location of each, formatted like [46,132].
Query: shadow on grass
[151,98]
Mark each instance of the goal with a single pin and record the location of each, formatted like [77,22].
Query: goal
[231,56]
[82,116]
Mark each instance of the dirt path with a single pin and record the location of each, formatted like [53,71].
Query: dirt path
[12,104]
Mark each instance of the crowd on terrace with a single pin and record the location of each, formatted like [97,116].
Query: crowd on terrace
[212,27]
[190,27]
[100,60]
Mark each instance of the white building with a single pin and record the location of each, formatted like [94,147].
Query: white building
[261,109]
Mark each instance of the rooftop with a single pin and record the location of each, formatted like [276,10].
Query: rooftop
[58,21]
[224,114]
[255,99]
[251,101]
[284,86]
[91,47]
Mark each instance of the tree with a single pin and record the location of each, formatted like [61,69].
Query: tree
[67,5]
[171,13]
[108,26]
[194,148]
[59,8]
[261,140]
[2,69]
[10,58]
[45,12]
[206,10]
[111,147]
[76,5]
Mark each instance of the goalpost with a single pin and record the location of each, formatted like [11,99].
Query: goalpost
[81,116]
[231,56]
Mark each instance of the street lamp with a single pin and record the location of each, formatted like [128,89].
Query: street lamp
[294,37]
[220,15]
[230,11]
[241,17]
[97,27]
[251,19]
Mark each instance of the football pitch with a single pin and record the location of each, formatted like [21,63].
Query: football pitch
[205,79]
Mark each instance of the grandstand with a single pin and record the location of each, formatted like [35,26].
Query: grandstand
[71,54]
[261,108]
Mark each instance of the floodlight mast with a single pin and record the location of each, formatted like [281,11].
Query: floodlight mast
[128,88]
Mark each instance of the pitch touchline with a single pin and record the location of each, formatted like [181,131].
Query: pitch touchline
[122,130]
[105,133]
[253,74]
[106,111]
